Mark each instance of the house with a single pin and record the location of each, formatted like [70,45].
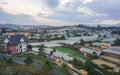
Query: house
[105,45]
[15,44]
[102,45]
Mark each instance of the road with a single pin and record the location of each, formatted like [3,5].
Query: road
[15,59]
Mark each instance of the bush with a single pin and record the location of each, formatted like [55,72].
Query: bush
[28,58]
[78,63]
[10,60]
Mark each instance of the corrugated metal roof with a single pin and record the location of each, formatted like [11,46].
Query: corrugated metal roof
[113,50]
[90,51]
[15,39]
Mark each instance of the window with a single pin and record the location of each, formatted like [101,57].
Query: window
[24,44]
[20,46]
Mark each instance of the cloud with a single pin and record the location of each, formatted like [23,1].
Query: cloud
[109,7]
[52,3]
[87,1]
[60,11]
[16,19]
[89,12]
[27,19]
[49,21]
[25,7]
[3,2]
[110,22]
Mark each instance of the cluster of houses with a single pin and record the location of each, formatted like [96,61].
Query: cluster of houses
[17,43]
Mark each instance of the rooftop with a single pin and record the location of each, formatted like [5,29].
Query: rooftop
[113,50]
[90,51]
[15,39]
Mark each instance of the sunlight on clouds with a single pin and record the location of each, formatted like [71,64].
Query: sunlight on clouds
[49,21]
[63,5]
[110,22]
[24,7]
[45,12]
[66,1]
[87,1]
[89,12]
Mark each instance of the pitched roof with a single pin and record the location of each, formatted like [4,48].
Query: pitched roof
[15,39]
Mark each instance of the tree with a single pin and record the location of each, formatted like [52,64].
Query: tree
[105,36]
[88,66]
[30,47]
[117,42]
[10,60]
[78,63]
[82,42]
[28,58]
[99,35]
[95,55]
[63,37]
[41,48]
[1,46]
[64,67]
[47,67]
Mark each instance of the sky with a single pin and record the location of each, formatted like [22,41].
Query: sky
[60,12]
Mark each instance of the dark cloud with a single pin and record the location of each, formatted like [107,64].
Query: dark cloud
[52,3]
[109,7]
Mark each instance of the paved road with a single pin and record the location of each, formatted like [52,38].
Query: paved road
[15,59]
[21,61]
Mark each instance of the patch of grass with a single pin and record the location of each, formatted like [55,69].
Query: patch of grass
[73,53]
[107,67]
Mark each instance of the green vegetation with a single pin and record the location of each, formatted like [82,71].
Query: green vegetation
[89,66]
[10,60]
[77,63]
[28,58]
[1,46]
[47,67]
[17,69]
[107,67]
[30,47]
[116,32]
[116,42]
[64,69]
[82,42]
[73,53]
[13,68]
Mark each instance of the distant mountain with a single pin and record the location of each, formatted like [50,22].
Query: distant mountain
[107,25]
[117,25]
[9,25]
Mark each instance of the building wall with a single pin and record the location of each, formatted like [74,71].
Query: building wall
[22,47]
[105,45]
[12,49]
